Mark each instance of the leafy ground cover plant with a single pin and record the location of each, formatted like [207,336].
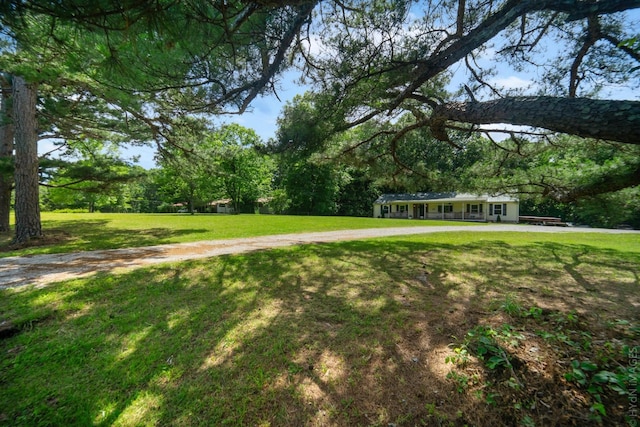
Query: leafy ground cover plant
[603,379]
[353,333]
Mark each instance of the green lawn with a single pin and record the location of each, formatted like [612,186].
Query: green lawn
[69,232]
[443,329]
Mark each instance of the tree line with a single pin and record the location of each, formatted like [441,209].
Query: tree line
[231,163]
[381,72]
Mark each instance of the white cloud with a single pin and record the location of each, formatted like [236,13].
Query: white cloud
[511,82]
[46,146]
[314,46]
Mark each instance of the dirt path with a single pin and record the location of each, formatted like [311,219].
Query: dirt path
[40,270]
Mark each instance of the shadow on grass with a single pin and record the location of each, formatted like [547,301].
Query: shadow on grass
[351,333]
[84,235]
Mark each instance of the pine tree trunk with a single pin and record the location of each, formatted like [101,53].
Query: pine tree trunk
[6,155]
[27,206]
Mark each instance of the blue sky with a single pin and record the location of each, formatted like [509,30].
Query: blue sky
[264,111]
[261,117]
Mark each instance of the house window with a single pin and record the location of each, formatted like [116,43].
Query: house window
[447,208]
[474,209]
[403,208]
[385,209]
[498,209]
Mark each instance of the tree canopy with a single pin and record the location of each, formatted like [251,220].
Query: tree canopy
[367,59]
[204,164]
[414,71]
[381,59]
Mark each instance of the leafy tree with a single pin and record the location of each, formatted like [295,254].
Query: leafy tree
[280,201]
[358,163]
[611,209]
[356,197]
[383,65]
[96,184]
[381,58]
[312,187]
[312,184]
[565,169]
[204,164]
[245,173]
[51,99]
[604,210]
[174,190]
[144,193]
[579,180]
[202,56]
[189,165]
[412,161]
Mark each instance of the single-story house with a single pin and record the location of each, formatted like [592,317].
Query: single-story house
[221,206]
[263,205]
[456,206]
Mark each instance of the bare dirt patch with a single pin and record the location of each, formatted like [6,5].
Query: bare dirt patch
[51,238]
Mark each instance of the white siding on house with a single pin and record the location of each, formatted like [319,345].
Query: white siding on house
[498,210]
[451,206]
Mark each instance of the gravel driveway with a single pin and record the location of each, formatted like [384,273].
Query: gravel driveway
[40,270]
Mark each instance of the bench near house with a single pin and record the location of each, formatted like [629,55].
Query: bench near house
[453,206]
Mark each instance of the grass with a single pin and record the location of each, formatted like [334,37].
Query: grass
[368,332]
[70,232]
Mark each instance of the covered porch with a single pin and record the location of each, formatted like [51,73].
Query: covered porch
[432,210]
[447,206]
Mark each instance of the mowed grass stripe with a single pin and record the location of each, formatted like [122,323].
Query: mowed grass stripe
[71,232]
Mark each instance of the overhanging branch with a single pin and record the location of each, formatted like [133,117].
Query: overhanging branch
[587,118]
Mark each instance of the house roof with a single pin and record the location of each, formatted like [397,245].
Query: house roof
[219,202]
[443,197]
